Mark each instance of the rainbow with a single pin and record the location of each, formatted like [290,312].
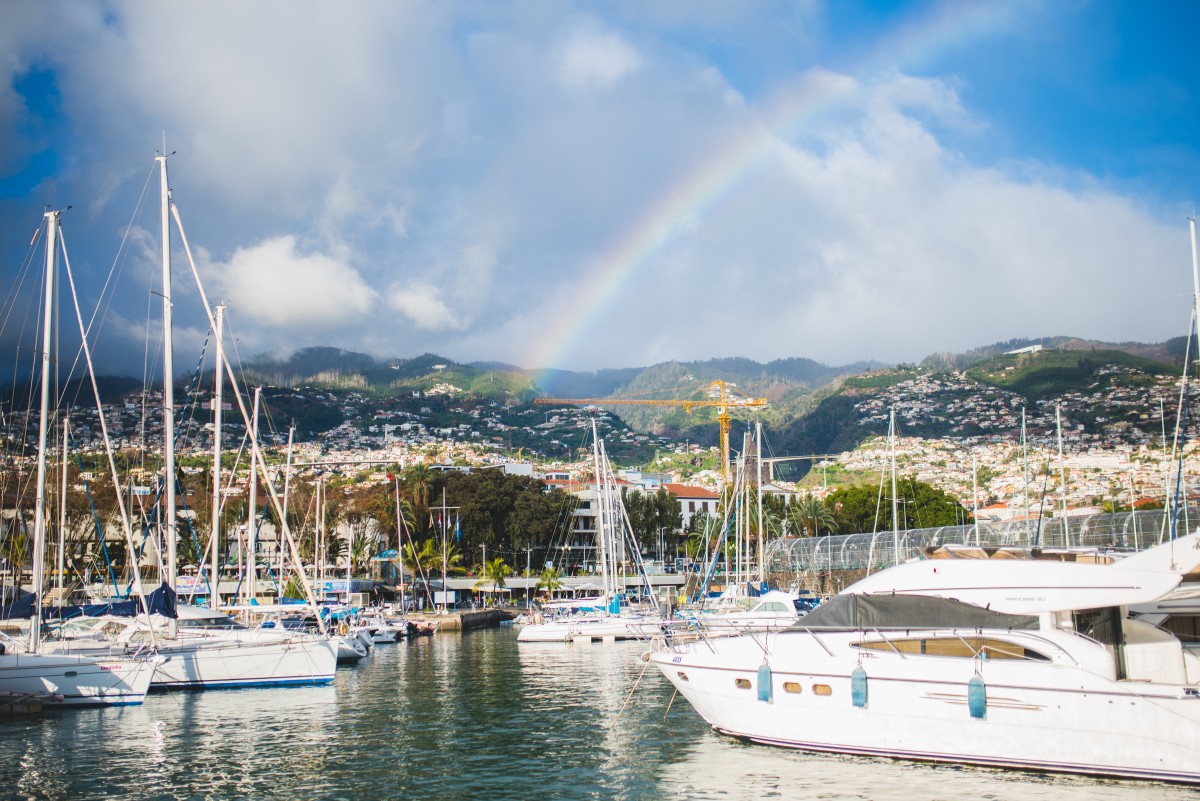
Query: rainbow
[799,103]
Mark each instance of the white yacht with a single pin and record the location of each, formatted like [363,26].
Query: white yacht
[771,611]
[571,625]
[1032,665]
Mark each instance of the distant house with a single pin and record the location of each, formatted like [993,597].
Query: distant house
[693,500]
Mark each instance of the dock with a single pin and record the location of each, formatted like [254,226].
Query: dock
[461,620]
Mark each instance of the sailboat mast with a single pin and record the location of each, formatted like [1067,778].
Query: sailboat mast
[975,495]
[62,512]
[1025,469]
[39,523]
[601,539]
[1062,477]
[214,600]
[287,489]
[252,518]
[758,470]
[895,498]
[168,373]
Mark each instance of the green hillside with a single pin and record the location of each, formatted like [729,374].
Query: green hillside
[1047,373]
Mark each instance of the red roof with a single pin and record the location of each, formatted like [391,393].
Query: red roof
[684,491]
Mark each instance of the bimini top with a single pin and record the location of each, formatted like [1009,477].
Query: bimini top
[849,612]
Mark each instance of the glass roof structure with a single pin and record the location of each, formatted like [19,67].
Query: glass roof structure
[1120,531]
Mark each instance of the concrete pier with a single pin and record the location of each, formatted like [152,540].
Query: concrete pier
[461,620]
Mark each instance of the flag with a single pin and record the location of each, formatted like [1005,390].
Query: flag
[457,530]
[391,477]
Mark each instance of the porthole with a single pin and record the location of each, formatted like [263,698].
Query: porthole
[793,687]
[682,676]
[742,684]
[822,689]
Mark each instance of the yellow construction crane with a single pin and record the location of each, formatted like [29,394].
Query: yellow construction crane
[722,403]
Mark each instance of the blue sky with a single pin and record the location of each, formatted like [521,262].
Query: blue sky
[602,184]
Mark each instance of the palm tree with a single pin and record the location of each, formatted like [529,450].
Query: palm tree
[810,515]
[549,581]
[424,561]
[495,573]
[418,480]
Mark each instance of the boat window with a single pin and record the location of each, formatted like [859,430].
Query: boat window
[793,687]
[909,646]
[742,684]
[1102,625]
[966,647]
[822,689]
[210,623]
[682,676]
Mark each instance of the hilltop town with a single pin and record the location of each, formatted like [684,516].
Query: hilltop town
[987,445]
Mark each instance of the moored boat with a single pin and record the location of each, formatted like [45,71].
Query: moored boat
[1003,663]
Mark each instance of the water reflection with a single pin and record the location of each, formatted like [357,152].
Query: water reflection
[455,716]
[718,767]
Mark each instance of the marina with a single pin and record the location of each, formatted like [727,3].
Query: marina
[468,715]
[607,401]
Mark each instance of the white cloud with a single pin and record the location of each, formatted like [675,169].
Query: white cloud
[594,60]
[436,168]
[274,285]
[423,306]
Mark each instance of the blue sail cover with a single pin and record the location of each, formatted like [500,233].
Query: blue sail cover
[161,601]
[20,605]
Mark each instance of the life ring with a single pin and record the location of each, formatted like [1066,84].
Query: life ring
[343,629]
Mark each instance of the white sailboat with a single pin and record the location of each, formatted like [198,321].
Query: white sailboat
[219,656]
[608,618]
[26,668]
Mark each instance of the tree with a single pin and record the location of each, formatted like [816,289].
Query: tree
[418,482]
[495,573]
[649,513]
[549,581]
[864,509]
[808,515]
[429,559]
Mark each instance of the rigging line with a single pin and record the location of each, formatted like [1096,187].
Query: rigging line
[127,529]
[113,271]
[15,291]
[95,514]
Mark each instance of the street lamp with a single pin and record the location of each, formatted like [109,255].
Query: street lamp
[662,551]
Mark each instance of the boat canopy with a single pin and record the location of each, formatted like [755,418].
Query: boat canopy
[853,612]
[160,602]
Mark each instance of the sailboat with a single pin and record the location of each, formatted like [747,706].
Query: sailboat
[606,617]
[27,668]
[208,655]
[746,604]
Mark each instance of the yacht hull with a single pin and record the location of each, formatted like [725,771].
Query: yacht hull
[219,664]
[571,630]
[1041,715]
[79,680]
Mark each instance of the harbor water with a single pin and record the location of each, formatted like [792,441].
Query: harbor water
[471,715]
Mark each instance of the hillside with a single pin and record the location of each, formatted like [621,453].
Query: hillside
[1106,396]
[1108,393]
